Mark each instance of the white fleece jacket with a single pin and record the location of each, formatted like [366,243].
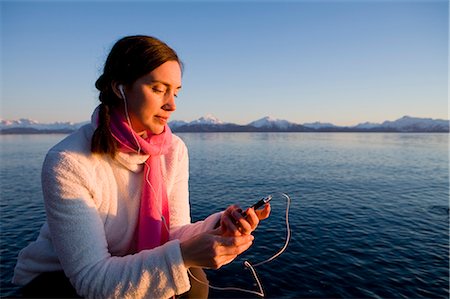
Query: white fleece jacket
[92,206]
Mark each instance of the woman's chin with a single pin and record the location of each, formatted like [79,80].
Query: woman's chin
[156,129]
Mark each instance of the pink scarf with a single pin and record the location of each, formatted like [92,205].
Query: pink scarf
[151,231]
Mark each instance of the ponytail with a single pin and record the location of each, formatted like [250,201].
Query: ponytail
[103,141]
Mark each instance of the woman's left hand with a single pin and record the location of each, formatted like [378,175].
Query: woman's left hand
[234,223]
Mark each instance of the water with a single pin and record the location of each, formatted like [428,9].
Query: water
[369,214]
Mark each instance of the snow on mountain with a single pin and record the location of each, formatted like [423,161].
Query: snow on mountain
[207,120]
[270,122]
[210,123]
[24,123]
[32,124]
[408,123]
[319,125]
[204,120]
[366,125]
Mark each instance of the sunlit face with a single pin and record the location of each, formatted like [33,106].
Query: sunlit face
[151,98]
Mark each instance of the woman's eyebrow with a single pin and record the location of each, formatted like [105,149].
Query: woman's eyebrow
[164,83]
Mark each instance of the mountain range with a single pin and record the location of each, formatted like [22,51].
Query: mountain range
[210,123]
[270,124]
[28,126]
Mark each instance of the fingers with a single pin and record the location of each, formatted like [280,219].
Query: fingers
[229,221]
[208,250]
[228,248]
[234,223]
[264,213]
[222,245]
[254,216]
[252,219]
[245,225]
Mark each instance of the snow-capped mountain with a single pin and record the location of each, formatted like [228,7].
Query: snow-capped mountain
[408,123]
[207,120]
[366,126]
[210,123]
[319,125]
[270,122]
[18,123]
[32,125]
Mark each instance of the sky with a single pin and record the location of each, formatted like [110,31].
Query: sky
[337,61]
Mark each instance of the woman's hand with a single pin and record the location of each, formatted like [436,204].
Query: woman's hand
[221,246]
[234,223]
[213,250]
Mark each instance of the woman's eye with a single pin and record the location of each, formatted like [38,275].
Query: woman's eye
[158,90]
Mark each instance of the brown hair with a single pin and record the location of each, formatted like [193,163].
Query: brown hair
[129,59]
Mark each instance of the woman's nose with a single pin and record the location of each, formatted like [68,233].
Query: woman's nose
[170,104]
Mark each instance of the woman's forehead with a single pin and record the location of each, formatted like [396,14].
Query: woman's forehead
[168,73]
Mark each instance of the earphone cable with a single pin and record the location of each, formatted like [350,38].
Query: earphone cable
[129,122]
[249,265]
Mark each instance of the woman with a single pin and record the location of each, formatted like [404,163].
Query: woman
[116,195]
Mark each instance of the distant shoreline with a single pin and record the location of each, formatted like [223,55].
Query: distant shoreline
[18,131]
[406,124]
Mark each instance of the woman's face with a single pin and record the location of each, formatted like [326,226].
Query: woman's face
[151,98]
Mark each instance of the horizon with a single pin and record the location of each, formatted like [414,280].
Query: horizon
[343,62]
[243,124]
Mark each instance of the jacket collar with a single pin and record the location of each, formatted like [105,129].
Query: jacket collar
[132,162]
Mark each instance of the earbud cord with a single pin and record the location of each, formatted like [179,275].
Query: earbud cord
[129,123]
[248,265]
[288,234]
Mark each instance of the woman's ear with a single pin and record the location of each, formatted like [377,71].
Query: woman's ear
[118,90]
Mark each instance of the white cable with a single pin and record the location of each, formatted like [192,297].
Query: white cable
[129,123]
[260,293]
[154,193]
[248,265]
[288,234]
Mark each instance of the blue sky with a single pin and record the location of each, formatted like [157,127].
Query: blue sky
[335,61]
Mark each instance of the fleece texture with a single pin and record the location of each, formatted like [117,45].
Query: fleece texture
[92,206]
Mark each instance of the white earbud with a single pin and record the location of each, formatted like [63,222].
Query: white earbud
[121,91]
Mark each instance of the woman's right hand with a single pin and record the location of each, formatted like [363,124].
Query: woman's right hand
[213,250]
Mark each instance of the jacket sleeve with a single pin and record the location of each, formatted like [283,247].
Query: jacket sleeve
[78,237]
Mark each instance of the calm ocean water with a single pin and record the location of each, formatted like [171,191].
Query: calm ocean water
[369,213]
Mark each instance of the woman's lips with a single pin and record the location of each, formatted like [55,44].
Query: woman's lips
[162,119]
